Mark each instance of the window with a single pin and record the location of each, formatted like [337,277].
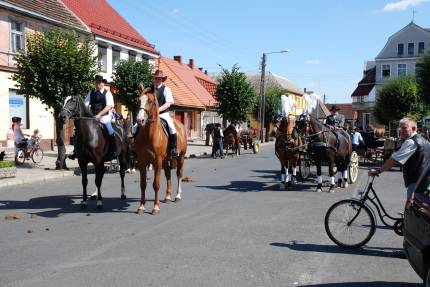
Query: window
[16,36]
[115,56]
[366,119]
[401,69]
[102,58]
[410,49]
[132,56]
[386,71]
[421,48]
[18,108]
[400,48]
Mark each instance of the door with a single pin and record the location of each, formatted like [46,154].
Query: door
[180,116]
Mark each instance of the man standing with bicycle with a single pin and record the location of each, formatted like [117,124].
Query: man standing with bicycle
[413,155]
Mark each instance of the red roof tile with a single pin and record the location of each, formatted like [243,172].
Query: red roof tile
[182,94]
[199,84]
[345,109]
[105,21]
[366,84]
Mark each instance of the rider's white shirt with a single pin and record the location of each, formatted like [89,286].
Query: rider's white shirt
[167,94]
[407,149]
[109,102]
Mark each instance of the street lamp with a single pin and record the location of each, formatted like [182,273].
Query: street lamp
[262,108]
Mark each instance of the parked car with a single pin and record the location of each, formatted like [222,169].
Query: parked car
[417,228]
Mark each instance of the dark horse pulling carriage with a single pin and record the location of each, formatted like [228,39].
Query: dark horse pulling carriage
[324,145]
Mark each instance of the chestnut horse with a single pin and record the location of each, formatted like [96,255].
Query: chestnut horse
[231,140]
[287,149]
[151,146]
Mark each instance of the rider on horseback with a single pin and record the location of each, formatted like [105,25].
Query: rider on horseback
[165,100]
[335,121]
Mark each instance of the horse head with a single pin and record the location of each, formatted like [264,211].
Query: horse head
[148,110]
[72,107]
[302,124]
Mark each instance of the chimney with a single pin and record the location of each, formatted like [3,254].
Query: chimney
[206,72]
[178,59]
[201,69]
[191,63]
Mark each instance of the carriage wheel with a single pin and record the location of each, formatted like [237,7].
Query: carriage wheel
[304,168]
[255,147]
[353,167]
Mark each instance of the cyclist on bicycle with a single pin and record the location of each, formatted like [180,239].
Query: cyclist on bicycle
[20,140]
[413,155]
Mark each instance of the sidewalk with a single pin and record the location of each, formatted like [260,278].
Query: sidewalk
[31,173]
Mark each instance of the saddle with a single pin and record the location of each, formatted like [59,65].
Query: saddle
[165,126]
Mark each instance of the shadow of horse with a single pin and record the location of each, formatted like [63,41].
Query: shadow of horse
[54,206]
[321,248]
[365,284]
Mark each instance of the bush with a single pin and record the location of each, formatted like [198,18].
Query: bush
[5,164]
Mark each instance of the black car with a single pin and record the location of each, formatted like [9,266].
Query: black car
[417,228]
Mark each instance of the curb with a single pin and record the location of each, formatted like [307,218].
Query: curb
[42,178]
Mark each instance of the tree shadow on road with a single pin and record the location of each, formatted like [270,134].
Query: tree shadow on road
[364,251]
[365,284]
[54,206]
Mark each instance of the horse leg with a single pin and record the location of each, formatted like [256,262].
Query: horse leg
[84,171]
[156,186]
[122,165]
[294,167]
[100,170]
[319,178]
[283,177]
[168,174]
[331,172]
[179,175]
[143,173]
[345,177]
[289,172]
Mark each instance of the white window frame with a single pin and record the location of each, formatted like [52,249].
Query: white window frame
[118,51]
[14,32]
[413,49]
[398,69]
[382,71]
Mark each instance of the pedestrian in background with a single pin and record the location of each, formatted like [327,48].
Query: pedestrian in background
[218,141]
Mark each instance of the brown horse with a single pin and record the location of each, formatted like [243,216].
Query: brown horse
[151,145]
[287,149]
[92,145]
[378,130]
[231,140]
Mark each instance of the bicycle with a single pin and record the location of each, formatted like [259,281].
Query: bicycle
[356,221]
[30,149]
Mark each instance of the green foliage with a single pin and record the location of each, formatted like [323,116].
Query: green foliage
[127,76]
[423,77]
[396,99]
[235,95]
[273,104]
[5,164]
[55,64]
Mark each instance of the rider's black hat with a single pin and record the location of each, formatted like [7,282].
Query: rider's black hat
[99,78]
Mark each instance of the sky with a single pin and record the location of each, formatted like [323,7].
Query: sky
[328,41]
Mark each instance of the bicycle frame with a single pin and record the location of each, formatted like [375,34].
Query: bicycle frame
[370,194]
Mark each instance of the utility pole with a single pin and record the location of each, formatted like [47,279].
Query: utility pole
[262,109]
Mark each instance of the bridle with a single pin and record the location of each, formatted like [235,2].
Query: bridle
[149,113]
[69,111]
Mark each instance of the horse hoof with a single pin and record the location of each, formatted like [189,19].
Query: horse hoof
[140,211]
[155,211]
[167,200]
[332,188]
[289,183]
[345,184]
[123,196]
[93,197]
[319,190]
[83,205]
[177,199]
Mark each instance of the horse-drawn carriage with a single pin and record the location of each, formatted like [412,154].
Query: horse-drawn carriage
[248,139]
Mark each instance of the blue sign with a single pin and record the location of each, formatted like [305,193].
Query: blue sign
[16,102]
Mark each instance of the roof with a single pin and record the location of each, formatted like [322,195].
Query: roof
[273,79]
[193,88]
[105,21]
[345,109]
[52,9]
[366,84]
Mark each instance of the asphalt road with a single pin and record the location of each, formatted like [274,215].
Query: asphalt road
[234,227]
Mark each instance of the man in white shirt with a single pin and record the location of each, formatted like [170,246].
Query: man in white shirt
[357,139]
[165,100]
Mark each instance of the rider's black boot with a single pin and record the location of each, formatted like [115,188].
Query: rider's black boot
[112,147]
[72,156]
[173,144]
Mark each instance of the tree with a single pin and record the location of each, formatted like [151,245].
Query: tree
[56,64]
[235,95]
[273,106]
[396,99]
[127,76]
[423,77]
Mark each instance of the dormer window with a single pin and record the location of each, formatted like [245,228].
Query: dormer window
[410,49]
[400,49]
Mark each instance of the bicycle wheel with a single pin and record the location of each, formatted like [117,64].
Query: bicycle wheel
[345,233]
[37,155]
[20,157]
